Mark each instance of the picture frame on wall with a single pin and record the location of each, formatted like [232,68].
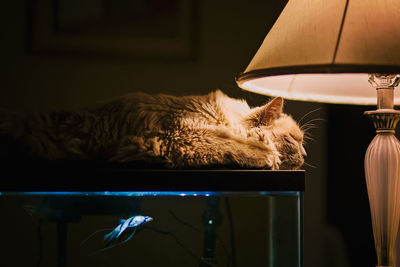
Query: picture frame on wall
[130,29]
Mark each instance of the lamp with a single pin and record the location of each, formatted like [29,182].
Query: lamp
[337,51]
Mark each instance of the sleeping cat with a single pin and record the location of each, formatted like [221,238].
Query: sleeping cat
[177,132]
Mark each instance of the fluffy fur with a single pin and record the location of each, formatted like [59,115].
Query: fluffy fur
[190,131]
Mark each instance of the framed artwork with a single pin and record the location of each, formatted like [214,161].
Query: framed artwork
[144,29]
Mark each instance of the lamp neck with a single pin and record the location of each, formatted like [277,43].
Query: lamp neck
[385,98]
[384,84]
[385,118]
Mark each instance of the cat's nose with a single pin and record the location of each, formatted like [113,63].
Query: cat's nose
[303,151]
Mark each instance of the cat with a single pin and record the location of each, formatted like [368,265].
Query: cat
[176,132]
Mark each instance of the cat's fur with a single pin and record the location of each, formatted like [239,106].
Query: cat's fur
[190,131]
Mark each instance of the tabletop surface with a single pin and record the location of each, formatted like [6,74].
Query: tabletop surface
[93,176]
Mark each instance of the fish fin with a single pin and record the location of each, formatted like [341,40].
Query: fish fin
[107,237]
[108,246]
[111,236]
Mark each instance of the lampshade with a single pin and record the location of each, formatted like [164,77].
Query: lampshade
[323,50]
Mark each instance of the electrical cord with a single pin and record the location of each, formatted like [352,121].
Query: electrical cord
[232,232]
[229,256]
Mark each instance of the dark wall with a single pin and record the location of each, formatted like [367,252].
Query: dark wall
[225,36]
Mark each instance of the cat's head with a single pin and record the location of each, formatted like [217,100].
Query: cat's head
[272,125]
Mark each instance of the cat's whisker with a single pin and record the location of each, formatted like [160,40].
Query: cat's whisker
[313,120]
[306,130]
[304,127]
[316,119]
[308,113]
[307,133]
[309,165]
[307,138]
[309,128]
[308,124]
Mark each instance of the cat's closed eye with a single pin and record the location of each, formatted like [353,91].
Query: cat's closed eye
[296,138]
[290,144]
[294,143]
[290,139]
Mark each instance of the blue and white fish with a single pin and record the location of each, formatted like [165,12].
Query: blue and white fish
[132,222]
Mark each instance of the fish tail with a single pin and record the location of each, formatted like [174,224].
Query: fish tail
[91,235]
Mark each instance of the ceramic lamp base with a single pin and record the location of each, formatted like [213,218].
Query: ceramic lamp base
[382,173]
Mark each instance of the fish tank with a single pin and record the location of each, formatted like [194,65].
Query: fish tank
[69,214]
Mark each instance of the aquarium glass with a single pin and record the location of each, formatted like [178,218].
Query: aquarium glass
[152,228]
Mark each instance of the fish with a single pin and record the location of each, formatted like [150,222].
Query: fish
[132,222]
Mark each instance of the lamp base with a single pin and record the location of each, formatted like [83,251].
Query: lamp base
[382,173]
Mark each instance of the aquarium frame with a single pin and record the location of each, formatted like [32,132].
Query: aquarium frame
[78,177]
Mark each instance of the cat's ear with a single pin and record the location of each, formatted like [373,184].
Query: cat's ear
[271,111]
[267,113]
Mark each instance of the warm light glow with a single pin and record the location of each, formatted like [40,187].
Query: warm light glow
[343,88]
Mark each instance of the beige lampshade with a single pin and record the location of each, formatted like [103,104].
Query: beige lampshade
[323,50]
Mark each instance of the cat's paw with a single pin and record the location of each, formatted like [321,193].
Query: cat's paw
[137,148]
[273,161]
